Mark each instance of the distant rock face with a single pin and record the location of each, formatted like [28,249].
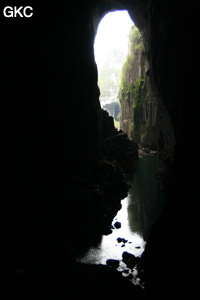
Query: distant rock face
[112,108]
[143,115]
[139,109]
[140,102]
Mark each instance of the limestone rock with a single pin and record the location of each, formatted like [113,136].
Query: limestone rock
[129,259]
[117,225]
[112,263]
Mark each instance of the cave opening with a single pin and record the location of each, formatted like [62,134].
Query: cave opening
[142,206]
[111,49]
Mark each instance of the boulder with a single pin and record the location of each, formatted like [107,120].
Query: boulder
[119,240]
[117,225]
[112,263]
[129,259]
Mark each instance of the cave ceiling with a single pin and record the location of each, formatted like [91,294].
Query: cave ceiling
[138,10]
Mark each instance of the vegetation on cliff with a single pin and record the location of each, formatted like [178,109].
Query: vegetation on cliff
[129,86]
[138,92]
[132,83]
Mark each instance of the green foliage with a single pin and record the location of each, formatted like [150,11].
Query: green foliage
[135,37]
[126,87]
[138,91]
[133,89]
[116,124]
[126,91]
[130,89]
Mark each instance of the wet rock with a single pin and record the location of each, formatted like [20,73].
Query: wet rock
[119,240]
[112,263]
[113,149]
[129,259]
[130,276]
[122,240]
[117,225]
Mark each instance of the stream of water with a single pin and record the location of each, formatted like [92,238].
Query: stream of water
[139,212]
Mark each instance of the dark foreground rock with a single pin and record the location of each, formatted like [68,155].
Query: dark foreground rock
[117,225]
[122,240]
[39,250]
[81,281]
[36,268]
[129,259]
[113,263]
[114,149]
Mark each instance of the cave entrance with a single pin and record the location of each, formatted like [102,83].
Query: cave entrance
[139,210]
[111,49]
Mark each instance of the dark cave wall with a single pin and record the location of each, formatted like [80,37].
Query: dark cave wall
[173,39]
[174,61]
[49,90]
[50,133]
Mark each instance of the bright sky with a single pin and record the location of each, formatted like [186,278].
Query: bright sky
[112,32]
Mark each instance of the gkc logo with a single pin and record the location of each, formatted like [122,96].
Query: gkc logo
[13,12]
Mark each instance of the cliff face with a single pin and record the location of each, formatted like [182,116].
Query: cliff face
[142,115]
[132,94]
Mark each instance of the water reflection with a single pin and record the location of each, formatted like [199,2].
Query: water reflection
[146,197]
[110,246]
[138,213]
